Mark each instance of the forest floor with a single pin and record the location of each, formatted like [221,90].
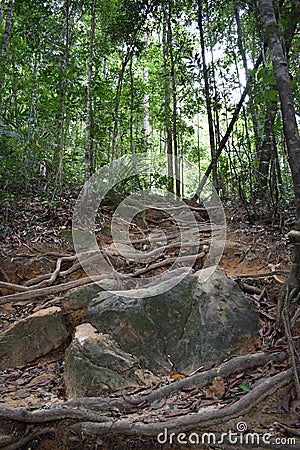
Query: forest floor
[251,253]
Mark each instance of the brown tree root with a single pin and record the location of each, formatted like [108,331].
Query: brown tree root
[15,445]
[81,408]
[35,293]
[90,418]
[191,422]
[262,274]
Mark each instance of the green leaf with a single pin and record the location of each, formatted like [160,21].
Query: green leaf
[272,94]
[244,387]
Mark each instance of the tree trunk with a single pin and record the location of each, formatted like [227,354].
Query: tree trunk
[146,101]
[5,41]
[131,118]
[1,11]
[89,156]
[174,99]
[267,150]
[167,106]
[207,98]
[287,303]
[118,101]
[280,67]
[62,91]
[251,101]
[8,24]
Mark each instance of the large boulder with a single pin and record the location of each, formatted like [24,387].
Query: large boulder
[192,324]
[32,337]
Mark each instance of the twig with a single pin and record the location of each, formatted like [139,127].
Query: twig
[262,274]
[250,289]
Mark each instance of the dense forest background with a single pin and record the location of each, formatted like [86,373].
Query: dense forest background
[84,82]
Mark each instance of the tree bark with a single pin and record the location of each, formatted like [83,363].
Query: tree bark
[207,97]
[89,155]
[167,106]
[70,13]
[5,41]
[1,11]
[124,63]
[281,72]
[8,25]
[174,104]
[289,293]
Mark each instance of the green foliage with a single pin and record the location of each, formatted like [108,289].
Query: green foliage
[43,81]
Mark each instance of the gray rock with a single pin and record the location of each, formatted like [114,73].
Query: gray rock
[148,327]
[80,297]
[75,302]
[192,324]
[32,337]
[95,363]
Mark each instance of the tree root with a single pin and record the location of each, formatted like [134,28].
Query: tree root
[262,274]
[15,445]
[193,421]
[80,408]
[35,293]
[86,418]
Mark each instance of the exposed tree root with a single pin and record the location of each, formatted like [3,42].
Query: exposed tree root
[14,445]
[203,419]
[77,421]
[31,294]
[94,408]
[263,274]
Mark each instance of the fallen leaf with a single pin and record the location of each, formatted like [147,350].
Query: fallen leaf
[177,376]
[218,387]
[244,387]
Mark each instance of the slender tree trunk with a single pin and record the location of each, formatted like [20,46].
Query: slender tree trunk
[287,303]
[118,101]
[215,107]
[174,99]
[167,105]
[131,108]
[89,155]
[280,67]
[5,41]
[241,48]
[146,100]
[1,11]
[62,92]
[8,25]
[207,98]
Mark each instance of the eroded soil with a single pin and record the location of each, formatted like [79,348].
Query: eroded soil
[250,250]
